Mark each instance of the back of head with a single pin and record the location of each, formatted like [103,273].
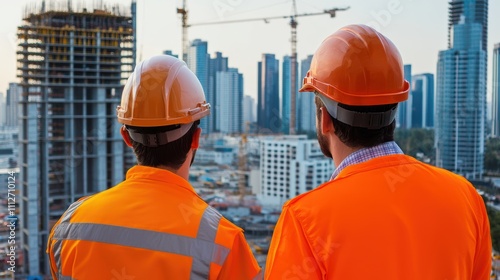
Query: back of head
[162,103]
[357,74]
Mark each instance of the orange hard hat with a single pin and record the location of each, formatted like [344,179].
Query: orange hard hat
[162,91]
[357,66]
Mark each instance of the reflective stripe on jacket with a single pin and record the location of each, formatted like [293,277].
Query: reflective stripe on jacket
[151,226]
[388,218]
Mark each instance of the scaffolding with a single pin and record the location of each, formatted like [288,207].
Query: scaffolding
[73,61]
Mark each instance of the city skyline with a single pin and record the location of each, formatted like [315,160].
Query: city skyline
[400,20]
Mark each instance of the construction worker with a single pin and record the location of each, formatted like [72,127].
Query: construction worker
[153,225]
[383,215]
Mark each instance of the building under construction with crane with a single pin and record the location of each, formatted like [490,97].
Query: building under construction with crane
[183,11]
[72,64]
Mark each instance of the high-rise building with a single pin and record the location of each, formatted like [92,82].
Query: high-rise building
[422,107]
[229,93]
[291,165]
[307,108]
[461,90]
[248,111]
[495,121]
[198,60]
[169,52]
[72,65]
[3,120]
[286,95]
[405,107]
[12,104]
[268,106]
[216,64]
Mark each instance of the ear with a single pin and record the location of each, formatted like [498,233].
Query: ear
[326,124]
[195,143]
[125,136]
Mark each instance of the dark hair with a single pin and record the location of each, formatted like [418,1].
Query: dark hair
[171,155]
[355,137]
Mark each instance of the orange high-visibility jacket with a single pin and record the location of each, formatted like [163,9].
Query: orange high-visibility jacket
[151,226]
[388,218]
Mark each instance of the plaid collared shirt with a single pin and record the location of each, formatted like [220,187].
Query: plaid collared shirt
[365,154]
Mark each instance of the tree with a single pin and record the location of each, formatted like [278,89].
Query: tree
[416,142]
[492,155]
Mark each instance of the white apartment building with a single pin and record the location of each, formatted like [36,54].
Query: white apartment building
[289,166]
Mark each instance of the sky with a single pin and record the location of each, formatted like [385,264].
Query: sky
[417,27]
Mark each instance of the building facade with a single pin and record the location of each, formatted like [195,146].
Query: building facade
[268,106]
[291,165]
[248,111]
[495,120]
[3,120]
[229,97]
[422,107]
[404,114]
[198,61]
[461,90]
[169,52]
[215,65]
[307,108]
[286,97]
[72,65]
[12,105]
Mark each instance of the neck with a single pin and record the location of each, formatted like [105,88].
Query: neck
[183,171]
[340,151]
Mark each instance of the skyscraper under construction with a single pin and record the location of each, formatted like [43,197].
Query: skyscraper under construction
[72,64]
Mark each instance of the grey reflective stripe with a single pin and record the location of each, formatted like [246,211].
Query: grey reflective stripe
[259,276]
[61,277]
[57,247]
[71,210]
[202,249]
[207,231]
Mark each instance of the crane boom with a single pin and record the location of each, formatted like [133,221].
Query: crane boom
[331,12]
[293,57]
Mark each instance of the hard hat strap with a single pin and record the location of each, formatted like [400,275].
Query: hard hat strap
[370,120]
[161,138]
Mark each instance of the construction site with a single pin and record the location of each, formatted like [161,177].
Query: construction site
[73,60]
[72,63]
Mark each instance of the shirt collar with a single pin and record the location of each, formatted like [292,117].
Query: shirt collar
[365,154]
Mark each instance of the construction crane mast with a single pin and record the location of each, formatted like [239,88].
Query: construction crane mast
[184,15]
[293,62]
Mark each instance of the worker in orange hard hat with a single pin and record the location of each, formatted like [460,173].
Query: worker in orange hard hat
[383,215]
[153,225]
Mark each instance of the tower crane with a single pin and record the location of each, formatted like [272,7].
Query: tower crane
[184,16]
[293,58]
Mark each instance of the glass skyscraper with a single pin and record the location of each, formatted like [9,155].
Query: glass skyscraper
[461,90]
[405,107]
[286,97]
[198,61]
[216,64]
[495,131]
[229,113]
[268,106]
[307,108]
[422,101]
